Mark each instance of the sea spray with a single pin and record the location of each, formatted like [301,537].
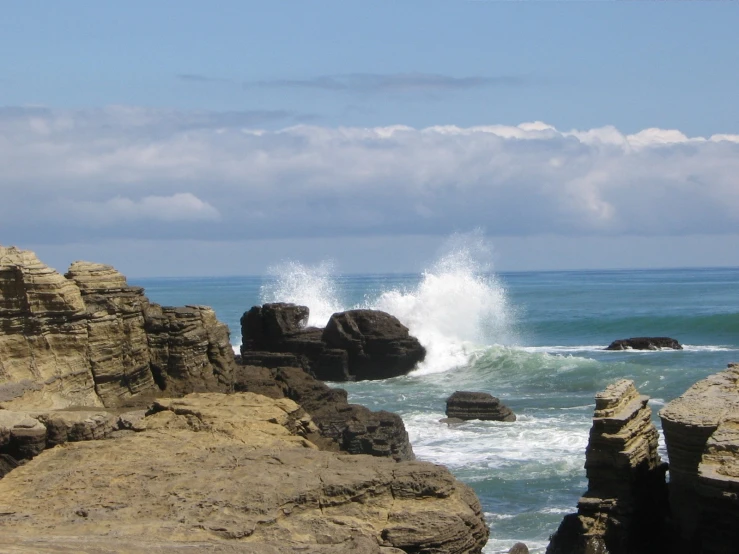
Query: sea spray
[312,286]
[456,309]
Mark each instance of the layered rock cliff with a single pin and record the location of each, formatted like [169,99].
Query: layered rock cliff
[625,507]
[89,339]
[231,473]
[701,430]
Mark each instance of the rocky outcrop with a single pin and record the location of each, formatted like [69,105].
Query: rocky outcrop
[700,430]
[231,473]
[341,426]
[89,339]
[625,506]
[645,343]
[377,344]
[355,345]
[466,405]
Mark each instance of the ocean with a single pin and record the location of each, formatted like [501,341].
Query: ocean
[533,339]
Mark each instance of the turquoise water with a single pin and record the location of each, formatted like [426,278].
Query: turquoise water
[533,339]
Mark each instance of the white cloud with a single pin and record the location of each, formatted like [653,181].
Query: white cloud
[124,169]
[178,207]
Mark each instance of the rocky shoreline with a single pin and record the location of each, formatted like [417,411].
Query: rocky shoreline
[126,426]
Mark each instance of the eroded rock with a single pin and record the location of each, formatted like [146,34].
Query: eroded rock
[212,472]
[625,506]
[464,405]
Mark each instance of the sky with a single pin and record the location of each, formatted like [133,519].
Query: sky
[174,138]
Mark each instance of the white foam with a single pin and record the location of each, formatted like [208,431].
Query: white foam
[457,307]
[312,286]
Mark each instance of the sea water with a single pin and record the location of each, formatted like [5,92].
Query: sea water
[534,339]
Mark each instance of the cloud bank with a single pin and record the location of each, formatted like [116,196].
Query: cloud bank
[126,172]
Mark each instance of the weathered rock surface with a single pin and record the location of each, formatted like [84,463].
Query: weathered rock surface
[466,405]
[342,426]
[700,430]
[378,345]
[231,473]
[625,506]
[358,344]
[645,343]
[89,339]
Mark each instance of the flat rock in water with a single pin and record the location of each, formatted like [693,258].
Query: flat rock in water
[645,343]
[466,405]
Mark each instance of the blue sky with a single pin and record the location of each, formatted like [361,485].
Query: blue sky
[152,134]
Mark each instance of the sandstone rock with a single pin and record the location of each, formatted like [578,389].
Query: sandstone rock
[341,426]
[89,339]
[700,432]
[378,345]
[231,473]
[625,506]
[477,405]
[645,343]
[21,436]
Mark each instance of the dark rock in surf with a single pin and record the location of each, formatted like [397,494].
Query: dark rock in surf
[355,345]
[645,343]
[342,426]
[519,548]
[477,405]
[378,345]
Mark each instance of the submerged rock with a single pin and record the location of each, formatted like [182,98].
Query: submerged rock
[464,405]
[624,510]
[645,343]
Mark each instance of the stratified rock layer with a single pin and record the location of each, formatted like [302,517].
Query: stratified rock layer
[231,473]
[355,345]
[89,339]
[466,405]
[701,432]
[624,508]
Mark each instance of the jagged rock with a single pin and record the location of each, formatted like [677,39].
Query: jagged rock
[342,426]
[232,473]
[76,425]
[88,339]
[700,432]
[358,344]
[378,345]
[645,343]
[21,436]
[625,506]
[465,405]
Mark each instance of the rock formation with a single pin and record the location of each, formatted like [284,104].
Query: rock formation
[645,343]
[89,339]
[231,473]
[355,345]
[624,508]
[701,432]
[477,405]
[342,426]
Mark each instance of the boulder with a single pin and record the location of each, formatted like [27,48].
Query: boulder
[355,345]
[519,548]
[624,510]
[645,343]
[232,473]
[378,345]
[464,405]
